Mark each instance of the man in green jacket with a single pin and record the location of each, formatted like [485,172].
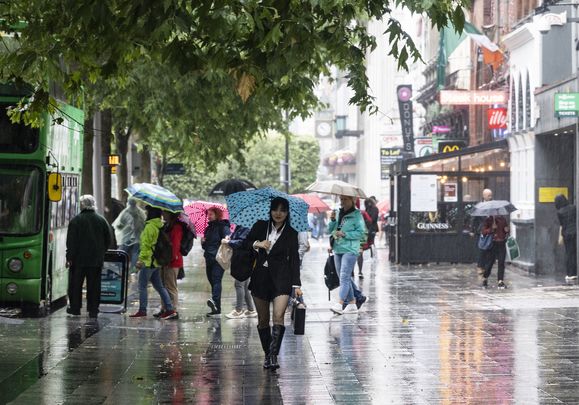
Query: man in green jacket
[87,240]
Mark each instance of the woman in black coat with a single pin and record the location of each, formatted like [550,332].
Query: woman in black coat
[276,273]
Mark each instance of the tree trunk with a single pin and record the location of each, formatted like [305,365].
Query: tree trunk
[161,163]
[146,165]
[106,137]
[87,157]
[122,140]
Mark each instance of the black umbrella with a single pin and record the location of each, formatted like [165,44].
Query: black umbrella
[231,186]
[493,207]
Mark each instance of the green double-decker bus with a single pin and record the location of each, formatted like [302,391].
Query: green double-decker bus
[40,183]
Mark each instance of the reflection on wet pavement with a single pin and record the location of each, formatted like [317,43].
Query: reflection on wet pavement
[428,335]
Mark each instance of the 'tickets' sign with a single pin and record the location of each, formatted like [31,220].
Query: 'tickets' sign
[404,92]
[497,118]
[478,97]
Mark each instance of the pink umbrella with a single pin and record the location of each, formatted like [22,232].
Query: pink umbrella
[316,204]
[383,206]
[197,213]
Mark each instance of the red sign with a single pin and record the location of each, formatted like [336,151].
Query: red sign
[497,118]
[475,97]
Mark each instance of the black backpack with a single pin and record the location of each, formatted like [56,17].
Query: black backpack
[163,250]
[186,240]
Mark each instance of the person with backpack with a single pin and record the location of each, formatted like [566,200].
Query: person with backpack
[242,294]
[155,252]
[175,230]
[217,229]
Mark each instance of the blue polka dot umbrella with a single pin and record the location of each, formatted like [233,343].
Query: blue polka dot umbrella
[247,207]
[156,196]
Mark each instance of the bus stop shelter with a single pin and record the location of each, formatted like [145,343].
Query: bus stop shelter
[431,197]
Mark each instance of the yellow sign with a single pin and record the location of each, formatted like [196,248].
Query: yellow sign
[450,148]
[114,169]
[548,194]
[114,160]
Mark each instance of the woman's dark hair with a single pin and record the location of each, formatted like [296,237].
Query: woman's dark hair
[561,201]
[218,213]
[153,212]
[279,202]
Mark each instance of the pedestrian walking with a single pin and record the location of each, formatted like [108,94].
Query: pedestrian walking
[128,227]
[149,267]
[366,242]
[476,229]
[217,229]
[87,240]
[276,273]
[175,230]
[497,226]
[567,215]
[244,307]
[347,230]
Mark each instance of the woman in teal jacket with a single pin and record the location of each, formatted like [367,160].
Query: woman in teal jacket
[347,230]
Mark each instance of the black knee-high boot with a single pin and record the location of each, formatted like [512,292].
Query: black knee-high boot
[265,338]
[276,339]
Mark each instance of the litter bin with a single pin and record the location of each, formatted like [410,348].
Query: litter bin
[114,282]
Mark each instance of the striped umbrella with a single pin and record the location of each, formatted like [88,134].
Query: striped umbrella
[247,207]
[197,213]
[155,196]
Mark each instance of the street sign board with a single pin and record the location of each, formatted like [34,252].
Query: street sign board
[387,157]
[174,168]
[566,105]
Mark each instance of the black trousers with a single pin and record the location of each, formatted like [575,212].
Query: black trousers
[571,254]
[76,276]
[497,252]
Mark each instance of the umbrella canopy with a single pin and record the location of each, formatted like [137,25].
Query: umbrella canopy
[383,206]
[336,187]
[197,213]
[155,196]
[493,207]
[231,186]
[316,204]
[247,207]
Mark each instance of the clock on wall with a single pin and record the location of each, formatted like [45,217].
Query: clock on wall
[323,129]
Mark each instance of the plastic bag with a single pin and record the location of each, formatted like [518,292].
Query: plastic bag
[224,256]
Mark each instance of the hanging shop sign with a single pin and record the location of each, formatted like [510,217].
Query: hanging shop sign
[476,97]
[404,92]
[450,146]
[440,129]
[423,146]
[497,118]
[387,157]
[566,105]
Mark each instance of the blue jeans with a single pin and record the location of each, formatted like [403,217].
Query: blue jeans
[214,274]
[345,263]
[146,274]
[133,252]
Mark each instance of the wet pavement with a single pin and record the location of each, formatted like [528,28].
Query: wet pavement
[428,335]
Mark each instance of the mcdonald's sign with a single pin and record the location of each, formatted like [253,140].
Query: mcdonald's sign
[450,146]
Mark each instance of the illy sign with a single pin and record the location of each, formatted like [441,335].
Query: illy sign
[497,118]
[463,97]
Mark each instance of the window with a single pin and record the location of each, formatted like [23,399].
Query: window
[442,165]
[444,219]
[20,200]
[528,106]
[16,138]
[494,160]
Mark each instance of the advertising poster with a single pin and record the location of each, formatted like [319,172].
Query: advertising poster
[423,193]
[112,282]
[387,157]
[450,192]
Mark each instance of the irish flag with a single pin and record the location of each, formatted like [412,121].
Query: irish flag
[450,39]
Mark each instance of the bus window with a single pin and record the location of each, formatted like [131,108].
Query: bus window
[19,200]
[16,138]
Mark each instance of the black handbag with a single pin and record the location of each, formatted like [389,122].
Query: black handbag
[242,263]
[331,277]
[298,316]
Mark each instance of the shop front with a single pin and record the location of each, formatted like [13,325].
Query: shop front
[431,197]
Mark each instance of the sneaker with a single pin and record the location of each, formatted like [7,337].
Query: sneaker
[72,312]
[158,314]
[350,309]
[570,278]
[360,275]
[485,283]
[138,314]
[337,308]
[169,314]
[214,314]
[212,306]
[501,285]
[250,314]
[235,314]
[361,301]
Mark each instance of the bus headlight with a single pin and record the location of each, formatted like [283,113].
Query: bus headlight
[15,265]
[11,288]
